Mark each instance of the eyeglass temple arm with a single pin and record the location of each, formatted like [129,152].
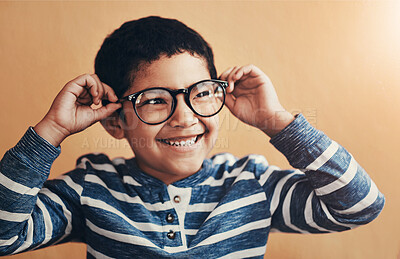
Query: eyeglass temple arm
[120,100]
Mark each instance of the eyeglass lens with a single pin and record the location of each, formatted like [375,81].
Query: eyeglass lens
[154,106]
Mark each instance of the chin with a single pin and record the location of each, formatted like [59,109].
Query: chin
[187,169]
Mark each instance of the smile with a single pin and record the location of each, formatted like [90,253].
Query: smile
[181,142]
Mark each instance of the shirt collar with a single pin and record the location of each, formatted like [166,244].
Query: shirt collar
[145,179]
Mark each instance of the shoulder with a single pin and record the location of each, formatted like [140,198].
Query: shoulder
[228,170]
[99,162]
[229,159]
[94,168]
[256,164]
[94,165]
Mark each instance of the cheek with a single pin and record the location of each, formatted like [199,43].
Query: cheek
[139,134]
[131,121]
[141,140]
[212,123]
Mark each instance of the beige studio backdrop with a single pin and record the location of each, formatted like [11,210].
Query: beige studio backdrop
[336,62]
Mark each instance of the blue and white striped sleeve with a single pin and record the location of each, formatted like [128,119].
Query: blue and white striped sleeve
[328,192]
[33,216]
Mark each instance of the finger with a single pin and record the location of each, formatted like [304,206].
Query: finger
[225,74]
[246,71]
[88,82]
[109,93]
[231,80]
[98,98]
[81,86]
[106,111]
[85,98]
[241,72]
[231,75]
[251,72]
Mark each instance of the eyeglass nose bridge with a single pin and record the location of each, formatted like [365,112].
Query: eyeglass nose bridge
[180,91]
[184,91]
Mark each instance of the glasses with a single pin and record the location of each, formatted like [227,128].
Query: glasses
[156,105]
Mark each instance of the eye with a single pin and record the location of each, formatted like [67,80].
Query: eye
[153,101]
[203,94]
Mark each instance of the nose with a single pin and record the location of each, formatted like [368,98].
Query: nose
[183,116]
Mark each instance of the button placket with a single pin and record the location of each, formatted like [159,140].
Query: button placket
[169,218]
[179,198]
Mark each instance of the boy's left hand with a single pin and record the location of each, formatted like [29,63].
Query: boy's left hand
[251,97]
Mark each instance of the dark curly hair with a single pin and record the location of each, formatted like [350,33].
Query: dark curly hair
[145,40]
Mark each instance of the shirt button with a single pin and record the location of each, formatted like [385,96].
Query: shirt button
[177,199]
[170,218]
[171,234]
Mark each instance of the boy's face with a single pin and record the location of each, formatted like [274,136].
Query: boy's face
[154,155]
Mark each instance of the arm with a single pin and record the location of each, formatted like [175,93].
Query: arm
[330,191]
[35,213]
[33,216]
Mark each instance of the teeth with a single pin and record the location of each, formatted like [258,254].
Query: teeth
[188,142]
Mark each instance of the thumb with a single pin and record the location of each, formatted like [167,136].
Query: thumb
[230,101]
[105,111]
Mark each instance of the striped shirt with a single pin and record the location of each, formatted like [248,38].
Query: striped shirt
[225,210]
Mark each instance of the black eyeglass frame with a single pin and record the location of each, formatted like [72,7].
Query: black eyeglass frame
[174,93]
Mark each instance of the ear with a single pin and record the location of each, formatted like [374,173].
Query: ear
[113,125]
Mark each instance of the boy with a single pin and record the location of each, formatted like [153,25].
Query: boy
[158,82]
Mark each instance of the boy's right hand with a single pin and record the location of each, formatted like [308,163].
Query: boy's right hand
[71,111]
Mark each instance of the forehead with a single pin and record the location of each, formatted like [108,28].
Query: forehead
[175,72]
